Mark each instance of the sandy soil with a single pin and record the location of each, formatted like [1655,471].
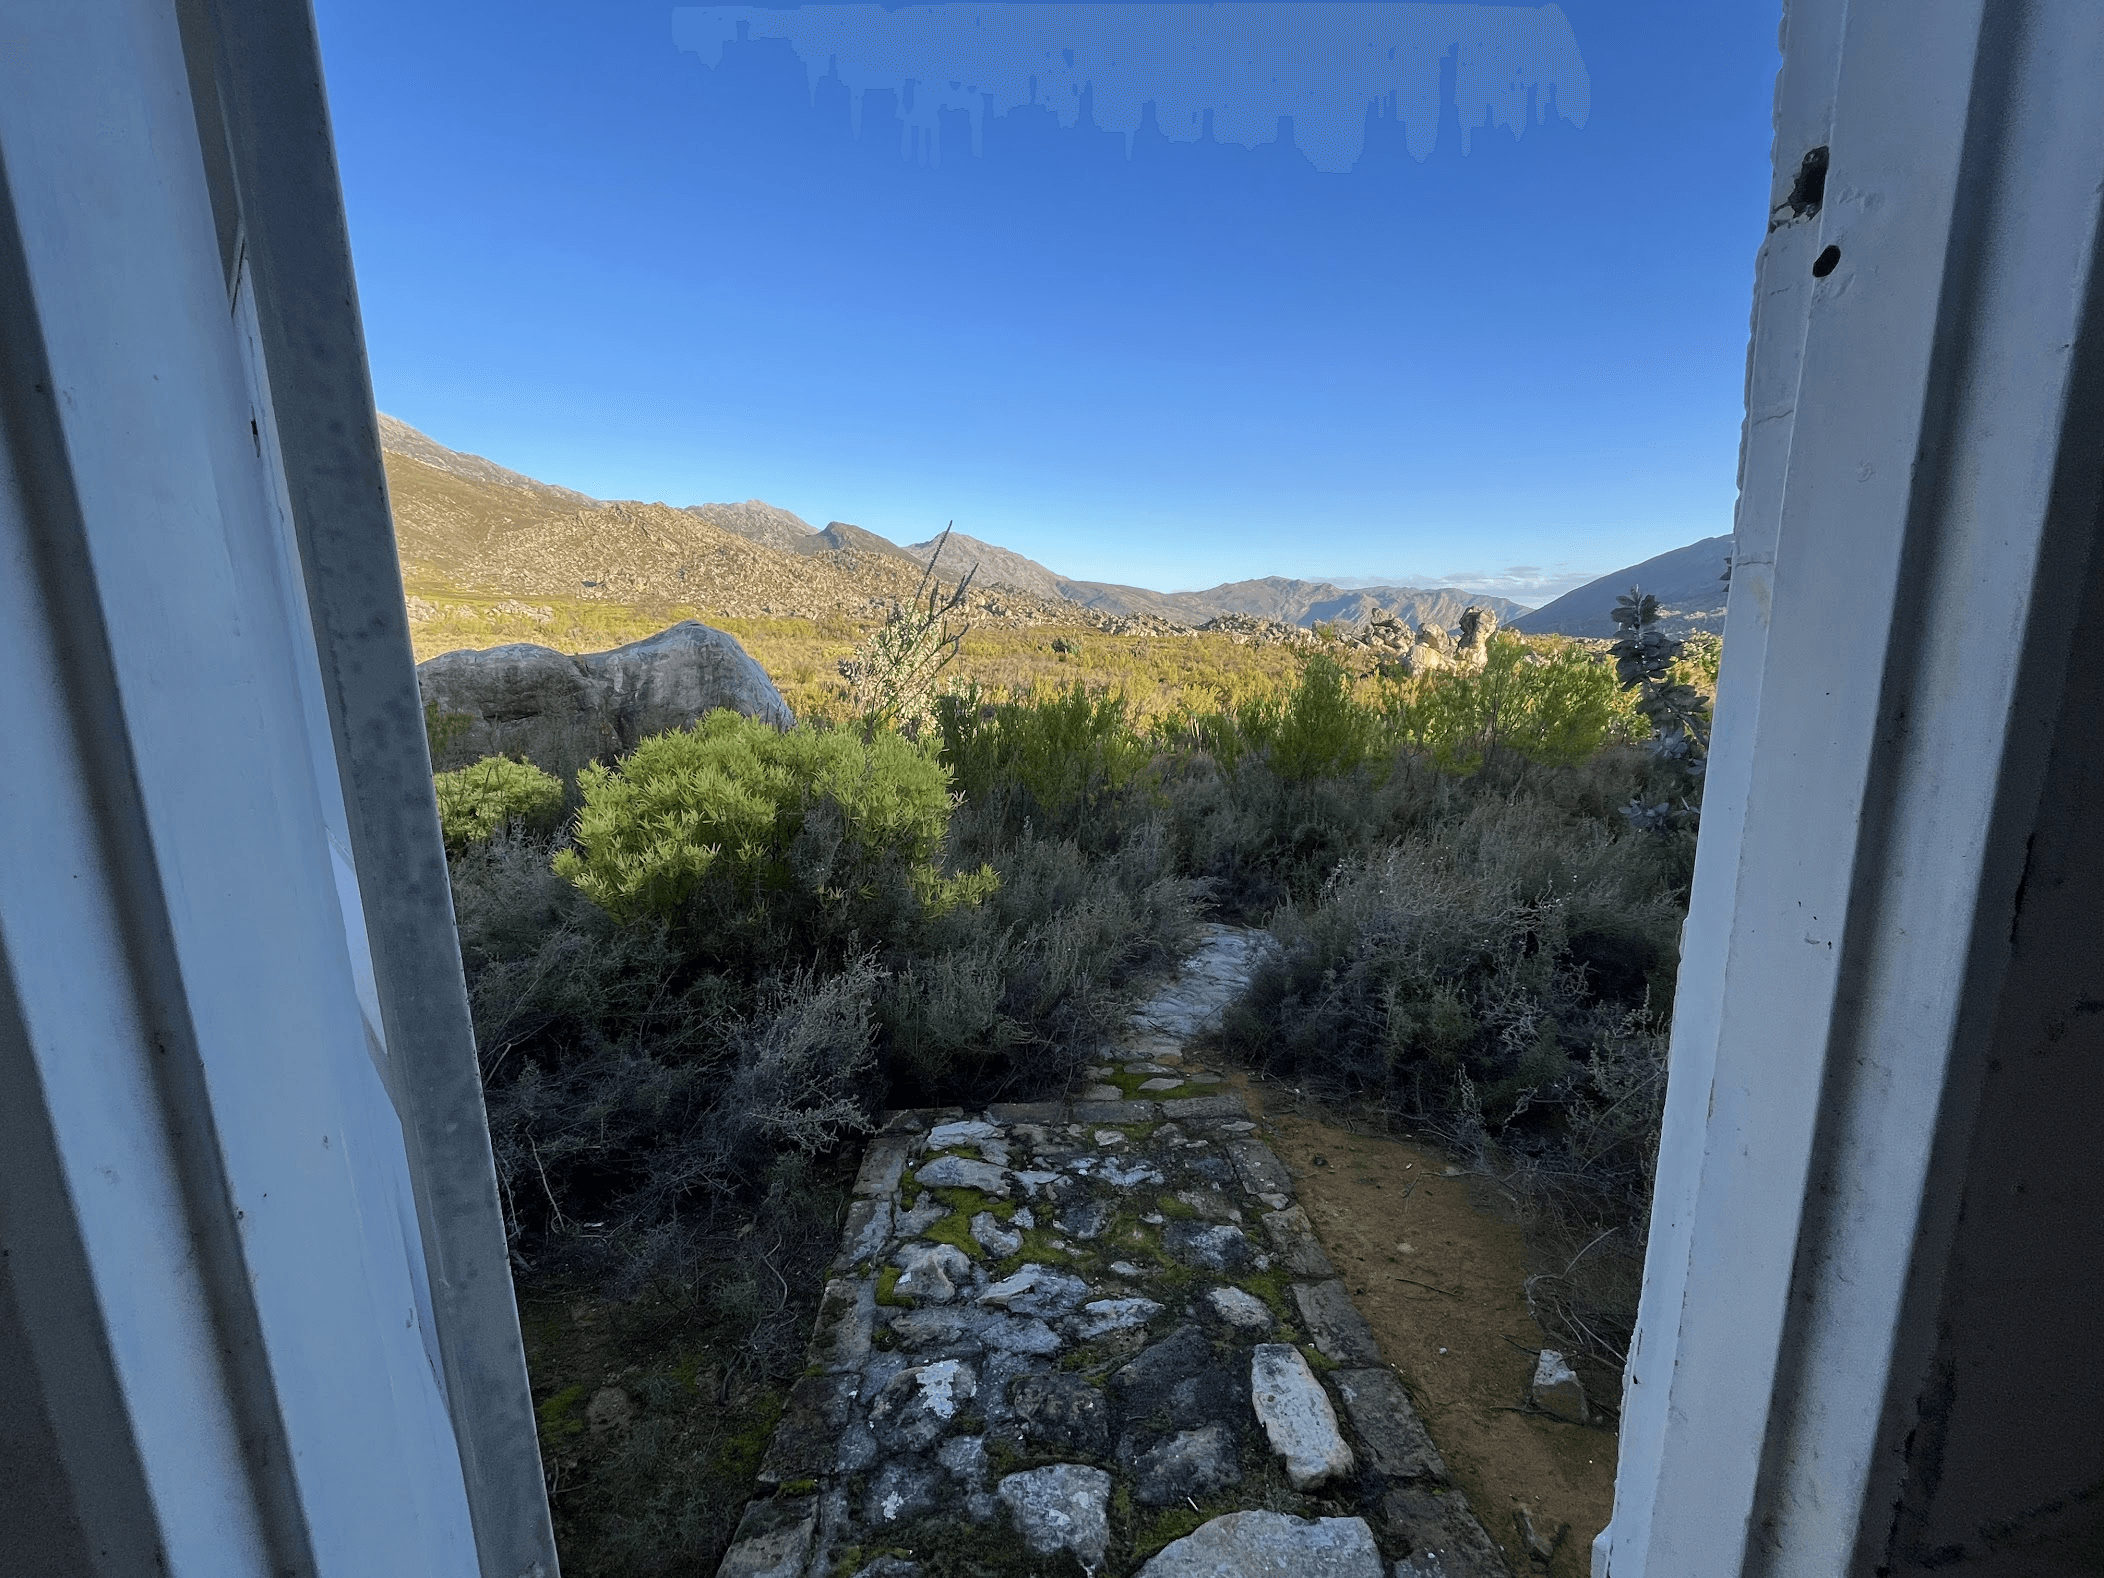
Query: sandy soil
[1439,1277]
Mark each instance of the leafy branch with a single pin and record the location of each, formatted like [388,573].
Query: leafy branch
[1679,714]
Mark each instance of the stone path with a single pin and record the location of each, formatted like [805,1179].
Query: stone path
[1097,1335]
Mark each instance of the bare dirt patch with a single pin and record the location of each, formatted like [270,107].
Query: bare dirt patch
[1438,1271]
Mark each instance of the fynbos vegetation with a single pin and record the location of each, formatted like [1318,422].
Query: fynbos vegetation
[745,943]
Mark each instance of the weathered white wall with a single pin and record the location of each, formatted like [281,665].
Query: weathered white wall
[1919,500]
[216,1171]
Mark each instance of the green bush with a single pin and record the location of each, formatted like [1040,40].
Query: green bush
[798,838]
[1555,709]
[479,801]
[1067,750]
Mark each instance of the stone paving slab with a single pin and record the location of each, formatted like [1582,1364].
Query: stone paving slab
[1098,1335]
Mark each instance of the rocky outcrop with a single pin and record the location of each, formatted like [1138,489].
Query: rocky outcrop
[1390,642]
[561,712]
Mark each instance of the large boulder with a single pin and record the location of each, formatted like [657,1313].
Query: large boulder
[561,712]
[1466,649]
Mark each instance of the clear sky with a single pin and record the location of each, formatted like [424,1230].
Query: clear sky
[662,272]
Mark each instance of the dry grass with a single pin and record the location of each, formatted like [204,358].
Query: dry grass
[802,656]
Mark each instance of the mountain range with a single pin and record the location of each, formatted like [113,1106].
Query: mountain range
[475,522]
[1689,584]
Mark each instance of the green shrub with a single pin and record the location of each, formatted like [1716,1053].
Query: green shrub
[1016,994]
[477,802]
[1553,709]
[1066,750]
[1323,731]
[808,835]
[1318,729]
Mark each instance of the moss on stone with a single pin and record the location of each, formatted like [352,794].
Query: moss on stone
[887,1282]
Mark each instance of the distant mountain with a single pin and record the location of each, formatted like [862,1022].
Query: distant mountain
[1688,583]
[1317,602]
[839,534]
[996,566]
[398,437]
[759,522]
[1303,603]
[464,515]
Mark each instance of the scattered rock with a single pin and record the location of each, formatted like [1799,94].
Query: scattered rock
[964,1457]
[1244,1311]
[1061,1410]
[929,1273]
[1185,1108]
[773,1539]
[1338,1328]
[1296,1415]
[1100,1316]
[1293,1236]
[1397,1445]
[1538,1544]
[1556,1388]
[916,1406]
[882,1164]
[1100,1093]
[1062,1507]
[1183,1352]
[1128,1175]
[902,1489]
[1189,1464]
[1036,1182]
[1270,1545]
[926,1212]
[961,1172]
[1210,1204]
[1160,1083]
[993,1237]
[847,1312]
[1214,1246]
[1259,1170]
[969,1329]
[982,1136]
[1037,1290]
[1088,1220]
[868,1231]
[1445,1539]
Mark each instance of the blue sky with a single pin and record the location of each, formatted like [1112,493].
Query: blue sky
[654,272]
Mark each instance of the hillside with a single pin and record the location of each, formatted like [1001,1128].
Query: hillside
[1688,583]
[476,523]
[475,527]
[759,522]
